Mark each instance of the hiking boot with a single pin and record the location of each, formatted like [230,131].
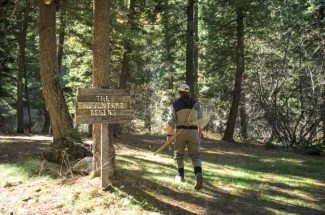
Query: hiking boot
[179,178]
[198,181]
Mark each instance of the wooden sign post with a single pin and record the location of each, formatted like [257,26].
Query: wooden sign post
[105,106]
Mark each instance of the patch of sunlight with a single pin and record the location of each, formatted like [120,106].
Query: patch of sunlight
[237,173]
[292,180]
[127,152]
[12,173]
[230,153]
[129,163]
[243,186]
[159,159]
[274,211]
[312,182]
[180,204]
[6,140]
[23,137]
[274,160]
[292,201]
[290,192]
[26,169]
[155,170]
[36,137]
[165,179]
[147,166]
[227,189]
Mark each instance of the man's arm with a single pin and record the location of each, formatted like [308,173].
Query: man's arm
[200,133]
[200,115]
[170,130]
[171,122]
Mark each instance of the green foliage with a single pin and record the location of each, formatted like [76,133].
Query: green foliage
[25,170]
[311,147]
[73,135]
[8,55]
[270,145]
[284,57]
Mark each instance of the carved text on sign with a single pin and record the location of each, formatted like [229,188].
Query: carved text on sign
[102,112]
[103,105]
[96,105]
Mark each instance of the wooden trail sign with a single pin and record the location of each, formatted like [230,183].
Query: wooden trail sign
[105,106]
[96,105]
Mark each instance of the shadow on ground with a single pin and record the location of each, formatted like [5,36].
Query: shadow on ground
[215,200]
[159,196]
[16,147]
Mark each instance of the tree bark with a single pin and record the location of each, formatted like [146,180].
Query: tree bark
[190,46]
[61,37]
[27,102]
[240,69]
[101,76]
[243,116]
[90,130]
[21,70]
[50,81]
[62,150]
[169,81]
[196,51]
[47,122]
[127,48]
[321,32]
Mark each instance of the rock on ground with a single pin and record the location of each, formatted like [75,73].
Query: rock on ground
[84,166]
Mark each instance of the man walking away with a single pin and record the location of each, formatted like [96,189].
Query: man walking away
[183,110]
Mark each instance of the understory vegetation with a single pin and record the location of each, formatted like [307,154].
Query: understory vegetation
[239,179]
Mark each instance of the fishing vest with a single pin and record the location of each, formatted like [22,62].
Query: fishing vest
[184,110]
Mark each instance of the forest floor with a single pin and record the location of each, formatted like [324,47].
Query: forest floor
[238,179]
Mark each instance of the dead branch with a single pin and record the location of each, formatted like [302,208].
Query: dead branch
[13,12]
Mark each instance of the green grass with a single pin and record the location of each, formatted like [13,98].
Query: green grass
[238,179]
[263,181]
[25,170]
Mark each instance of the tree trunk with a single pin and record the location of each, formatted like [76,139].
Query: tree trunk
[243,116]
[90,130]
[127,48]
[21,70]
[196,51]
[27,102]
[169,81]
[101,76]
[61,151]
[321,32]
[47,122]
[50,81]
[190,46]
[61,37]
[240,69]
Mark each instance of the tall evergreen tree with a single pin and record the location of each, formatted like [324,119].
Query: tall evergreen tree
[240,69]
[101,78]
[21,70]
[127,47]
[190,46]
[61,121]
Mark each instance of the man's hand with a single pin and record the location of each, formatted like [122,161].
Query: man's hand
[200,134]
[170,131]
[169,136]
[170,147]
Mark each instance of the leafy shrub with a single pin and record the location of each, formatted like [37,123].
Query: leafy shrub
[310,147]
[270,145]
